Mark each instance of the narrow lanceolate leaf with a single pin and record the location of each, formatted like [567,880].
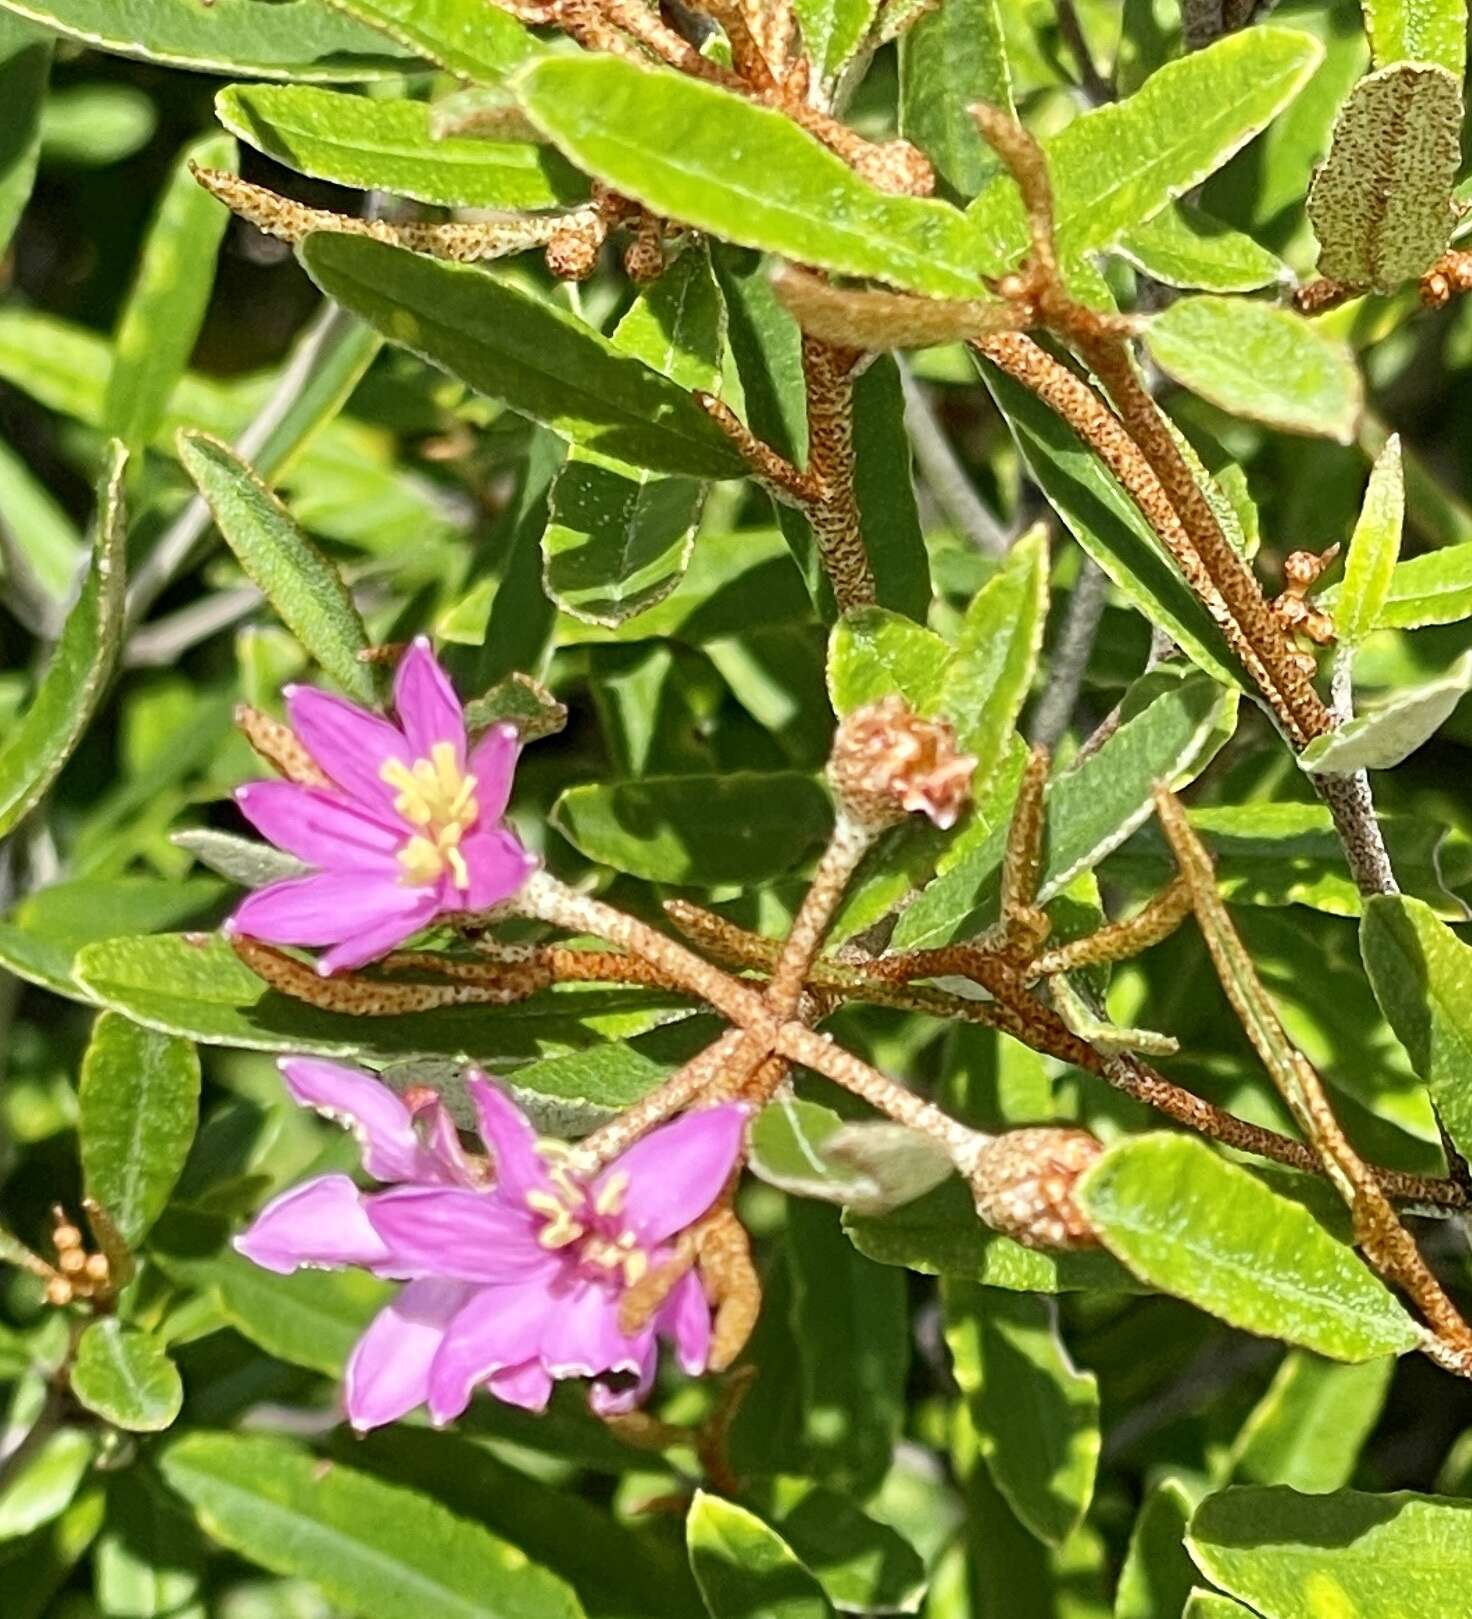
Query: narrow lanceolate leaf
[744,1569]
[1270,365]
[25,63]
[389,146]
[293,575]
[1036,1415]
[299,39]
[1381,739]
[372,1548]
[1118,166]
[139,1104]
[1193,1225]
[1293,1556]
[126,1378]
[170,293]
[1369,569]
[953,57]
[688,151]
[1382,205]
[1184,247]
[512,346]
[618,536]
[1421,973]
[1432,589]
[471,40]
[42,741]
[1418,31]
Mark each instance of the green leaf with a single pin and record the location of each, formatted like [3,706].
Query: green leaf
[471,40]
[94,125]
[139,1105]
[1212,1605]
[32,755]
[124,1376]
[884,487]
[1432,589]
[43,1487]
[1184,247]
[870,1168]
[832,30]
[25,64]
[688,151]
[1291,1556]
[1119,165]
[744,1569]
[36,529]
[1307,1430]
[1191,1224]
[1369,569]
[1269,365]
[618,537]
[388,145]
[150,1555]
[873,652]
[1382,205]
[698,830]
[1381,739]
[372,1548]
[293,575]
[299,39]
[954,56]
[1421,973]
[1036,1416]
[1418,31]
[512,346]
[1157,1574]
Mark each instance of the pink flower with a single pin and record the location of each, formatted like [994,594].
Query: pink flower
[409,829]
[512,1282]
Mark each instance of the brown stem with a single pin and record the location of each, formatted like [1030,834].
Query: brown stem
[846,848]
[828,375]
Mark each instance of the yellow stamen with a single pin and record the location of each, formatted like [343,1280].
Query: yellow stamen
[437,796]
[636,1267]
[610,1199]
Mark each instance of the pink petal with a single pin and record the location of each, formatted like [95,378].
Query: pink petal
[493,764]
[685,1320]
[391,930]
[527,1385]
[506,1130]
[387,1373]
[581,1336]
[330,906]
[453,1166]
[676,1172]
[319,826]
[497,1330]
[426,704]
[383,1125]
[451,1231]
[321,1222]
[348,742]
[617,1402]
[498,866]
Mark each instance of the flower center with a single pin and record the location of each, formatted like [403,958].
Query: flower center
[436,796]
[589,1229]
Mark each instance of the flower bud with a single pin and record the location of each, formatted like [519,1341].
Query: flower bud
[1023,1185]
[888,762]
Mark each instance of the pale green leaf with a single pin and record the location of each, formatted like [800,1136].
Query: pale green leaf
[44,1486]
[1307,1429]
[125,1377]
[1418,31]
[150,1556]
[35,531]
[1369,569]
[832,30]
[953,57]
[25,64]
[1184,247]
[96,124]
[1213,1605]
[809,1151]
[873,653]
[1432,589]
[744,1569]
[1157,1574]
[1382,738]
[470,39]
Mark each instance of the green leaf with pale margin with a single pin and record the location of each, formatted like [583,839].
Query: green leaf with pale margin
[618,537]
[870,1168]
[1213,1605]
[1036,1415]
[1158,1574]
[510,345]
[1184,247]
[32,755]
[832,30]
[1369,569]
[469,39]
[1418,31]
[953,57]
[1117,166]
[1269,365]
[1191,1224]
[1292,1556]
[150,1557]
[389,146]
[1308,1429]
[1073,1007]
[1382,205]
[1432,589]
[43,1488]
[293,575]
[742,827]
[139,1106]
[294,39]
[689,151]
[245,861]
[125,1377]
[1385,736]
[1421,973]
[372,1548]
[25,65]
[744,1569]
[166,304]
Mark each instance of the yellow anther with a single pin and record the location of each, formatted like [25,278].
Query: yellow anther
[437,796]
[610,1198]
[636,1267]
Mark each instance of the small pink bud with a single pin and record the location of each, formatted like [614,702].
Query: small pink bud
[887,762]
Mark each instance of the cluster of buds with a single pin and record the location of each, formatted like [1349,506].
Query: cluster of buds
[888,762]
[1301,572]
[76,1274]
[1023,1183]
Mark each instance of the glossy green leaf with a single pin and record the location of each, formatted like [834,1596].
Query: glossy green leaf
[1432,589]
[126,1378]
[1369,569]
[618,537]
[1191,1224]
[1382,738]
[374,1549]
[1158,1574]
[1036,1415]
[832,30]
[32,755]
[472,41]
[1421,973]
[299,39]
[1291,1556]
[1308,1428]
[150,1556]
[388,145]
[1184,247]
[25,65]
[513,346]
[1213,1605]
[1269,365]
[139,1104]
[1418,31]
[744,1569]
[43,1487]
[953,57]
[295,577]
[873,653]
[687,150]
